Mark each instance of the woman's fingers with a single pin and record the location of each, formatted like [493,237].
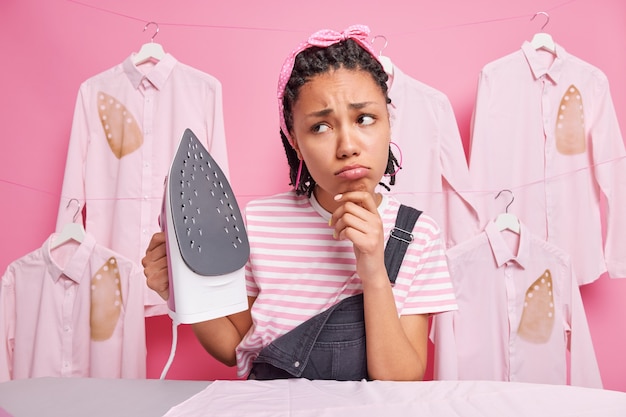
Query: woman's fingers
[155,266]
[158,239]
[357,220]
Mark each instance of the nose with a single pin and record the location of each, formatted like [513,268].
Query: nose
[348,143]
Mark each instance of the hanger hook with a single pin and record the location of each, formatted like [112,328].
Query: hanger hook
[547,19]
[156,31]
[77,209]
[506,210]
[380,52]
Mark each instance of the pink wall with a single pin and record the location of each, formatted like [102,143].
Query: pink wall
[49,47]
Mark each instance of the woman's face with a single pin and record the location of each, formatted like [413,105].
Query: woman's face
[341,130]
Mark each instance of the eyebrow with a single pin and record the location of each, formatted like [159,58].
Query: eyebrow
[356,106]
[364,104]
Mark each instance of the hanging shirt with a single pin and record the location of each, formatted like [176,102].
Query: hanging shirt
[434,177]
[519,314]
[73,311]
[127,125]
[545,128]
[297,269]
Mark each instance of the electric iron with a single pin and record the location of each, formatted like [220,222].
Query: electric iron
[206,241]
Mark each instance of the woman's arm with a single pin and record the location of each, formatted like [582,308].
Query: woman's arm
[221,336]
[396,346]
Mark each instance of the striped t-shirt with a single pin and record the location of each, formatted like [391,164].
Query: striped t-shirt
[297,269]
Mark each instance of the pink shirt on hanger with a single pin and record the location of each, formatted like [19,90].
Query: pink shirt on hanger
[73,311]
[520,311]
[127,125]
[545,128]
[434,177]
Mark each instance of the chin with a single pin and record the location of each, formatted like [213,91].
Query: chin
[361,186]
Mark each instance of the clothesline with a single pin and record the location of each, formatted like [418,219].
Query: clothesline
[238,195]
[270,29]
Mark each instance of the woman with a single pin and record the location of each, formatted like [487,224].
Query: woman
[321,247]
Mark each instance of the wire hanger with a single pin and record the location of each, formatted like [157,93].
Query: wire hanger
[150,51]
[506,220]
[543,40]
[384,60]
[71,231]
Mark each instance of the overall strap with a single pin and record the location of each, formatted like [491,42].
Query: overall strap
[399,239]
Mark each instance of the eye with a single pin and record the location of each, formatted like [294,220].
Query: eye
[366,119]
[319,128]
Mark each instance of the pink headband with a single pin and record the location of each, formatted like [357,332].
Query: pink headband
[322,38]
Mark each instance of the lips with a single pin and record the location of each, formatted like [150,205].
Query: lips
[352,172]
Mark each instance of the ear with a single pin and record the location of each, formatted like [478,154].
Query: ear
[294,145]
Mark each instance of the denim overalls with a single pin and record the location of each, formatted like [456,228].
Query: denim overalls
[331,345]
